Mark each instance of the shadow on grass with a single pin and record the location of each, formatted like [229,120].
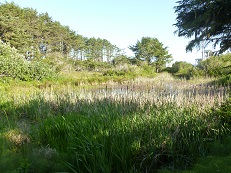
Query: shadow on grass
[103,135]
[219,159]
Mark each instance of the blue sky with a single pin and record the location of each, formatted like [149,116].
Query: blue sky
[122,22]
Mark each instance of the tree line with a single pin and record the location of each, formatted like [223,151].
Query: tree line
[35,35]
[38,35]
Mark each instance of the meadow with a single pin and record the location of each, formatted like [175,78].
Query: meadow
[141,125]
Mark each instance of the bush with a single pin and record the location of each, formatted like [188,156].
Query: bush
[57,61]
[14,65]
[114,73]
[148,70]
[90,65]
[224,112]
[11,62]
[120,60]
[216,66]
[182,69]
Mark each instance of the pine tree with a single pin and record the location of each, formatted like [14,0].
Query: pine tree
[152,51]
[207,21]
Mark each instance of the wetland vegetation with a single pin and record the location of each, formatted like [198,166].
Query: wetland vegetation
[144,125]
[97,110]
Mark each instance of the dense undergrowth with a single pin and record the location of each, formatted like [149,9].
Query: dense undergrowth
[75,113]
[132,128]
[14,66]
[62,115]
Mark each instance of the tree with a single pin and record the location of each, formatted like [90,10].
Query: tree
[152,51]
[13,31]
[207,20]
[94,49]
[122,59]
[182,69]
[35,35]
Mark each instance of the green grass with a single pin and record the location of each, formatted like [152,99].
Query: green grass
[218,159]
[165,124]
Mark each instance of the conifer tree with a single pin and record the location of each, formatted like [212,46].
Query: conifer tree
[152,51]
[207,21]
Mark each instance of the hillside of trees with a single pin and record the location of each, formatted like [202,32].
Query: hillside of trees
[35,35]
[36,47]
[70,103]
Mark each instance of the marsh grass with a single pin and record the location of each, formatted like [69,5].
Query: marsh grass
[140,126]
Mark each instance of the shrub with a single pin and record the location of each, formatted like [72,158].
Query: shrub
[224,112]
[14,65]
[114,73]
[216,66]
[182,69]
[57,61]
[11,62]
[120,60]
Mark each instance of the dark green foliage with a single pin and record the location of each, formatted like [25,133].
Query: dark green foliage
[100,50]
[12,30]
[58,62]
[207,21]
[224,113]
[120,60]
[182,69]
[91,65]
[216,66]
[152,51]
[36,35]
[226,80]
[115,73]
[47,160]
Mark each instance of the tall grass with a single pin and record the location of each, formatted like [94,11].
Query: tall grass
[114,128]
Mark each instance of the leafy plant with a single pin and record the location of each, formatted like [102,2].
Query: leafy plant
[216,66]
[181,69]
[224,113]
[13,64]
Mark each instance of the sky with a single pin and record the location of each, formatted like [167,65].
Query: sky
[122,22]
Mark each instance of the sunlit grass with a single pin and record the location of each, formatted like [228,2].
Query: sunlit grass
[139,126]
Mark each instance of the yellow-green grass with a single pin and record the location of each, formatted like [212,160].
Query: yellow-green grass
[142,126]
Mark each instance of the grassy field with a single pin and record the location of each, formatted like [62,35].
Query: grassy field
[142,125]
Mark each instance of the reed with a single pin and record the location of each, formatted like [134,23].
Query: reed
[134,127]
